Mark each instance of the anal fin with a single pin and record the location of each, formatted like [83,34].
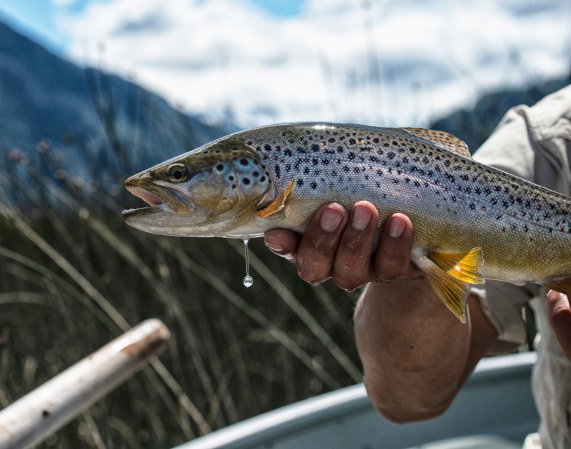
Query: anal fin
[561,285]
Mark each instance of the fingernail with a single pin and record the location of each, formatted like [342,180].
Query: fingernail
[330,220]
[274,246]
[361,218]
[396,227]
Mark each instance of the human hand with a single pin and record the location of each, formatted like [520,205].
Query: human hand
[560,319]
[340,244]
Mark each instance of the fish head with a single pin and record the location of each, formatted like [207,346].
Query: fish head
[209,192]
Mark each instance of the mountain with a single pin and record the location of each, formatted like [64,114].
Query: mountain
[476,124]
[97,123]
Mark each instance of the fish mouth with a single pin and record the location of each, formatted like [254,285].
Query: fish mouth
[159,200]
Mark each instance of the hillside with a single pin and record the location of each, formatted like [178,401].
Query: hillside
[84,113]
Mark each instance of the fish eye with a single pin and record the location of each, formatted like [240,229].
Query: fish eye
[178,173]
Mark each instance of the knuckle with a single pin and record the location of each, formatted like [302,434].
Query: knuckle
[347,283]
[391,268]
[311,270]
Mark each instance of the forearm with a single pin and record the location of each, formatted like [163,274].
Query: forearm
[415,353]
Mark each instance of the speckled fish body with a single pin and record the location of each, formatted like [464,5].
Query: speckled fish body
[277,176]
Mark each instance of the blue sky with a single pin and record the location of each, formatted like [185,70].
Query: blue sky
[382,62]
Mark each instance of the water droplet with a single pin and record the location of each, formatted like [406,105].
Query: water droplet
[248,281]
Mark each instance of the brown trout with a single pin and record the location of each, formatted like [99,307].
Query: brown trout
[471,221]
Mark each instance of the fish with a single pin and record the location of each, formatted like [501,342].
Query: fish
[472,222]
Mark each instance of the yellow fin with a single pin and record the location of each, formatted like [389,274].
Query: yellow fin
[562,285]
[462,266]
[452,291]
[442,139]
[279,203]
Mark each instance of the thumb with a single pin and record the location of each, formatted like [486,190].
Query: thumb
[560,319]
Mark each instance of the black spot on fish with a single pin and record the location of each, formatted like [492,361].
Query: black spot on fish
[313,185]
[299,182]
[220,167]
[255,174]
[246,181]
[352,141]
[314,147]
[244,162]
[262,178]
[306,170]
[351,156]
[376,140]
[277,171]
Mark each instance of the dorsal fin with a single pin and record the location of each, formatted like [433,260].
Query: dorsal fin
[442,139]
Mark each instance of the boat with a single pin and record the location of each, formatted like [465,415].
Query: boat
[493,410]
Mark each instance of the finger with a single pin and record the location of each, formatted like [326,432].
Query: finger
[318,246]
[282,242]
[560,318]
[351,268]
[392,260]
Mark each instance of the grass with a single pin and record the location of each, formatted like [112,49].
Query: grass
[73,276]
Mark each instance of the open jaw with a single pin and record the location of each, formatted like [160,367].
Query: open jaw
[150,198]
[154,202]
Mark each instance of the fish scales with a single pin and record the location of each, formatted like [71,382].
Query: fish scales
[515,221]
[521,230]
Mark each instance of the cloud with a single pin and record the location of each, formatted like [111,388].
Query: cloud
[385,62]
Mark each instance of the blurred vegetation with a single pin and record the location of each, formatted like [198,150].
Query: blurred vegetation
[73,276]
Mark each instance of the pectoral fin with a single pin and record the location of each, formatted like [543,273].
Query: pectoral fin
[449,275]
[279,203]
